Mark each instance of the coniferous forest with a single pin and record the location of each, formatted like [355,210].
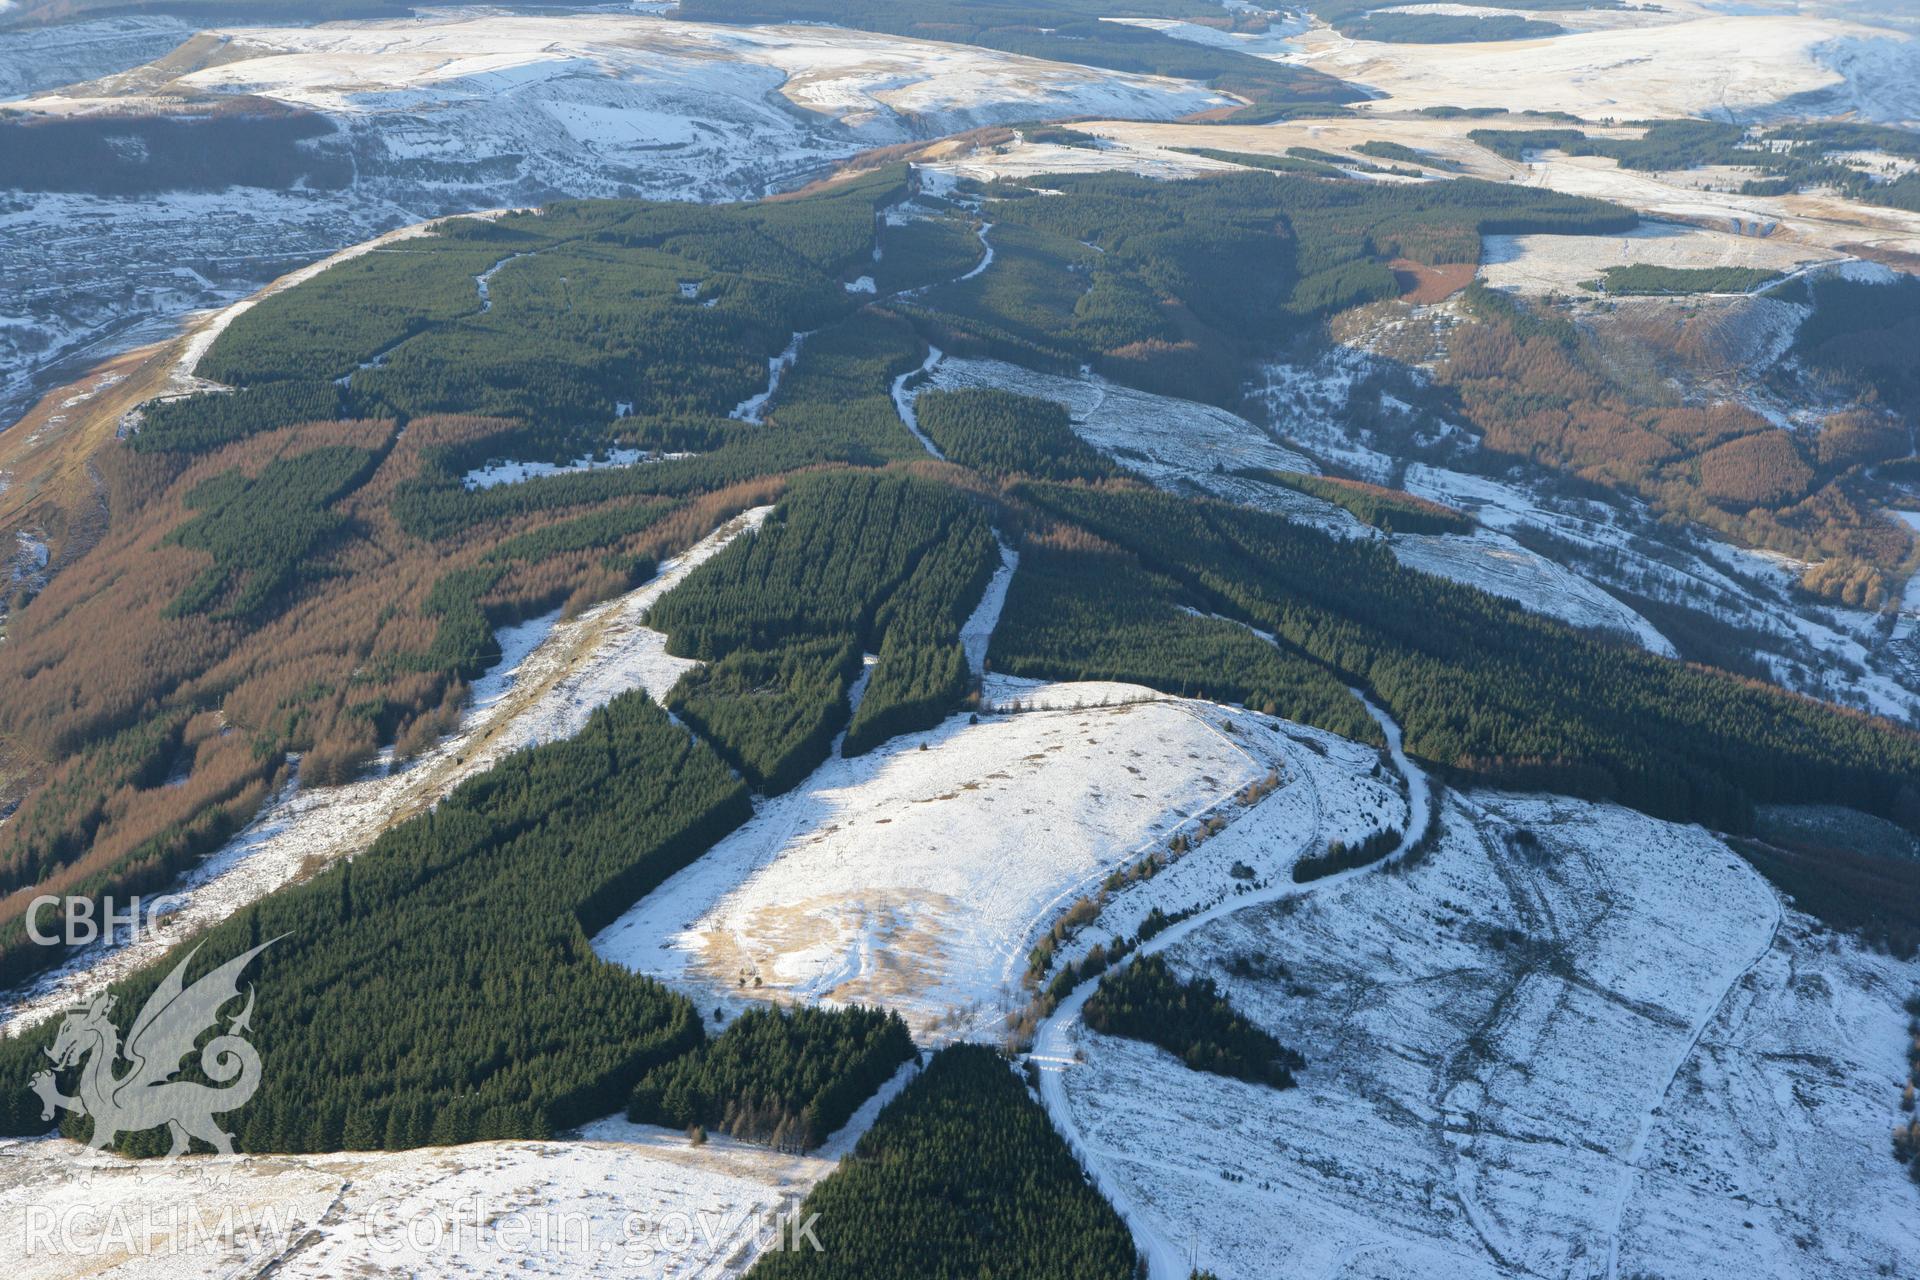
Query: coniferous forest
[1145,1000]
[440,987]
[788,1078]
[961,1176]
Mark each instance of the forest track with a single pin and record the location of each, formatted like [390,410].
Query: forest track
[1054,1051]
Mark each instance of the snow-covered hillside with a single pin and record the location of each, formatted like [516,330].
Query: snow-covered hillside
[1575,1041]
[1496,563]
[1194,448]
[1741,64]
[919,876]
[621,1199]
[37,58]
[882,88]
[1880,79]
[1164,439]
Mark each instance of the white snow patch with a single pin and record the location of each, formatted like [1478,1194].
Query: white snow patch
[1909,618]
[918,877]
[1544,264]
[751,409]
[620,1199]
[903,400]
[1274,42]
[977,632]
[513,472]
[1496,563]
[1164,439]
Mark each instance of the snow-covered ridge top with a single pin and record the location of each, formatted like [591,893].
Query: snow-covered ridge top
[1745,66]
[36,58]
[860,79]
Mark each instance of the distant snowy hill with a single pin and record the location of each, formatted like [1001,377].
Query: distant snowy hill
[45,57]
[453,113]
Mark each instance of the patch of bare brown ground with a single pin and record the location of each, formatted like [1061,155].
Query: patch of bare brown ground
[1421,283]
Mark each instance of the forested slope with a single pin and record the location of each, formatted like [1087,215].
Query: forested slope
[961,1176]
[439,987]
[1504,696]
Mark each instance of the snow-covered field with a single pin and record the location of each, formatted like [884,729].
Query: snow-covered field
[513,472]
[1816,222]
[552,676]
[1540,264]
[1496,563]
[1273,833]
[620,1199]
[1164,439]
[919,875]
[1711,64]
[1602,1051]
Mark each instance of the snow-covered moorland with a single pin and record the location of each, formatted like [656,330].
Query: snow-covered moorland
[618,1199]
[1574,1041]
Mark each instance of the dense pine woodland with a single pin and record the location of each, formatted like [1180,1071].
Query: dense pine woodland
[849,564]
[262,532]
[998,433]
[786,1078]
[961,1177]
[440,987]
[1099,615]
[1496,694]
[1145,1000]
